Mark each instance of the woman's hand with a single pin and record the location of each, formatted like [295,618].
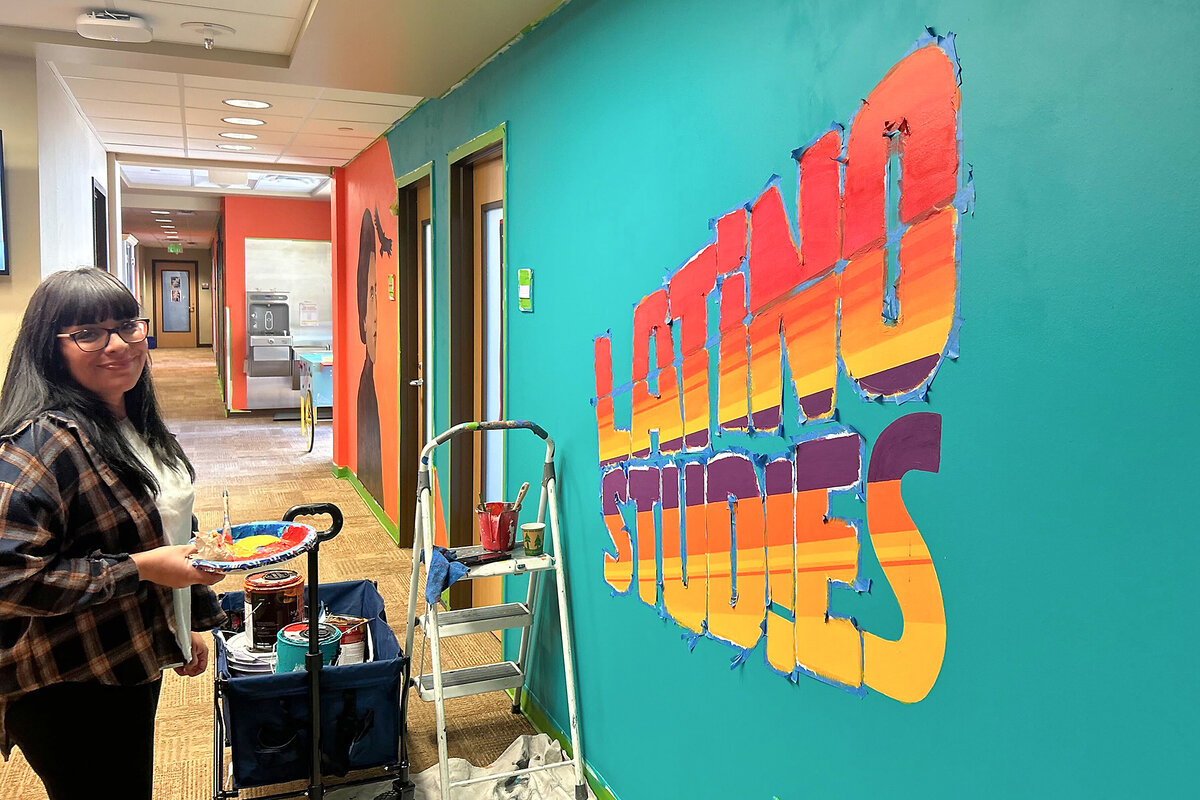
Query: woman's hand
[170,566]
[199,661]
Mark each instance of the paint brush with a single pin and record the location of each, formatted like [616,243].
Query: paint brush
[521,496]
[226,528]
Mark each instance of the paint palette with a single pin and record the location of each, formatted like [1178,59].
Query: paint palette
[260,544]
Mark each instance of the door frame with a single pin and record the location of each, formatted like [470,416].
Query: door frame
[194,313]
[408,283]
[464,331]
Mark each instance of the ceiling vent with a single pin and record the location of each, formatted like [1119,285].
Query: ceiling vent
[113,26]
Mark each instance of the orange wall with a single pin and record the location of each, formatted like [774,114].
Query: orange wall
[367,183]
[260,218]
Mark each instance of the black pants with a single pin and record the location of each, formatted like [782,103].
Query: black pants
[87,740]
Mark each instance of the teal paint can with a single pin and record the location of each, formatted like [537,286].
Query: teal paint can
[291,644]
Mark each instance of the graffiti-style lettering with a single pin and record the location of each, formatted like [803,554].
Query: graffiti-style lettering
[734,456]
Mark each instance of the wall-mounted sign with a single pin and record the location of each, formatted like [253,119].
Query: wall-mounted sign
[309,316]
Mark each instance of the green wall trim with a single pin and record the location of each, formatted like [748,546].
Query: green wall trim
[425,170]
[541,723]
[478,143]
[345,474]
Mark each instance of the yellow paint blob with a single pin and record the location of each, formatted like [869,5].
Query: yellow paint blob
[244,548]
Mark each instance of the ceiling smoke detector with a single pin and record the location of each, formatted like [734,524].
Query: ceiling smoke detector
[208,31]
[113,26]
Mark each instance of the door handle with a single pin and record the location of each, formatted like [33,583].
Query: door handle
[417,382]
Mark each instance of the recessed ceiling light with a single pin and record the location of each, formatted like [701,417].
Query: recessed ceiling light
[239,103]
[237,135]
[161,213]
[234,147]
[242,121]
[167,227]
[162,220]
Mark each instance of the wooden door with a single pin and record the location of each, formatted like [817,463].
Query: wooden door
[488,219]
[476,308]
[175,304]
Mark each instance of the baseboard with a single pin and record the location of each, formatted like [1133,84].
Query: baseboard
[541,723]
[345,474]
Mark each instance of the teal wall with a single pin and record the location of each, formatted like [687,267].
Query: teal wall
[1055,519]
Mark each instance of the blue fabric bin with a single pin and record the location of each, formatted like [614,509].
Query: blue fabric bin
[267,716]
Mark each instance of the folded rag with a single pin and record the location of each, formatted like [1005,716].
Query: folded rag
[443,571]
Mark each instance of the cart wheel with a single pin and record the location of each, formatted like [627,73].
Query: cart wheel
[308,420]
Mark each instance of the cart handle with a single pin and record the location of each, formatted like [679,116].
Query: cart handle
[316,510]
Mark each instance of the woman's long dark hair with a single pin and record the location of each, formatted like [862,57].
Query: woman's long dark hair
[38,380]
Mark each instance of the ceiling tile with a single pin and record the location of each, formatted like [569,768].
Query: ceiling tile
[332,127]
[119,91]
[357,112]
[264,134]
[281,105]
[328,140]
[211,118]
[106,126]
[323,152]
[119,141]
[143,150]
[250,87]
[115,73]
[196,146]
[378,98]
[140,112]
[156,176]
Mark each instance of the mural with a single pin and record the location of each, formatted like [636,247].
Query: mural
[370,464]
[717,493]
[366,338]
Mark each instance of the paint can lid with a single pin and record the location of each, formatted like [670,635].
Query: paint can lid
[273,580]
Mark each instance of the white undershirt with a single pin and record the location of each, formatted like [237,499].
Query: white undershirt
[175,499]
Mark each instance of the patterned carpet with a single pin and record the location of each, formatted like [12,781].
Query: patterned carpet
[263,465]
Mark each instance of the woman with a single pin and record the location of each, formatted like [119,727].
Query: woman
[370,458]
[97,594]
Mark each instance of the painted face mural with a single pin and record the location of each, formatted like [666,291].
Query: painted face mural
[717,496]
[370,459]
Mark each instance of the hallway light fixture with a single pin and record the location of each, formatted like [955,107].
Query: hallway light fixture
[237,135]
[113,26]
[239,103]
[238,147]
[242,121]
[160,213]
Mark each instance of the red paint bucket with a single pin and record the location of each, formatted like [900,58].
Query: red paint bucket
[497,526]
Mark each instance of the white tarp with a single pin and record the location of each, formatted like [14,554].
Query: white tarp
[526,751]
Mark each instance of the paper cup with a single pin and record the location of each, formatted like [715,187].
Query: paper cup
[534,534]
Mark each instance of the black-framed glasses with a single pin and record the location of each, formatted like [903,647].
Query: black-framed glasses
[95,338]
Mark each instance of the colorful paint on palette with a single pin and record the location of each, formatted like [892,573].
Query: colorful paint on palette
[743,543]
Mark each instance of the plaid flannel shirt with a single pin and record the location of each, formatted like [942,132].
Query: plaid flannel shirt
[72,608]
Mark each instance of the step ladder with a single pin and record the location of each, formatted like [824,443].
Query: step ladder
[439,685]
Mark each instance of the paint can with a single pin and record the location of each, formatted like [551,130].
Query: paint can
[533,534]
[497,526]
[273,598]
[354,638]
[291,644]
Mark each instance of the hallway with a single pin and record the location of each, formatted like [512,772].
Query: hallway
[263,465]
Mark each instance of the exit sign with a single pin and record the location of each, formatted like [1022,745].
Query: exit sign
[174,247]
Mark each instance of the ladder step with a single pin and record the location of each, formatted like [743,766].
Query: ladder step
[480,620]
[473,680]
[517,564]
